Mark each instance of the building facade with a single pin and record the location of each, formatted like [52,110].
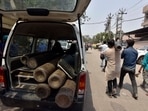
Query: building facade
[145,11]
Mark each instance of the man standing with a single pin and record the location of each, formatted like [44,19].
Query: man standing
[129,56]
[144,68]
[102,48]
[112,70]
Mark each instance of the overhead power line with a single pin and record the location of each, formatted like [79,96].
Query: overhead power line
[133,19]
[135,4]
[128,21]
[94,23]
[136,7]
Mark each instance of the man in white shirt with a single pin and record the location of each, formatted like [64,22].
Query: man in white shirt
[102,48]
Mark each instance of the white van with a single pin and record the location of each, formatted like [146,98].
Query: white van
[35,72]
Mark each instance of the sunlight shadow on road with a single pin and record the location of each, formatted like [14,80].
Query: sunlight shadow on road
[117,106]
[88,105]
[128,87]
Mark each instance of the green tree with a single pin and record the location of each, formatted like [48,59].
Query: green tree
[84,18]
[103,36]
[87,39]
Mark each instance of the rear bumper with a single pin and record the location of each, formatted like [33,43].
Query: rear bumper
[30,101]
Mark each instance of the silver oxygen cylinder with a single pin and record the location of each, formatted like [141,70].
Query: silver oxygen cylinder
[118,45]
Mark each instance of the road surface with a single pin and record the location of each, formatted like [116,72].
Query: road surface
[97,100]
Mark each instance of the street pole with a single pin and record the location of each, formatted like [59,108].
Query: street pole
[117,27]
[121,12]
[108,24]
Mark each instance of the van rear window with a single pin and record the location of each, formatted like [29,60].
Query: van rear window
[54,5]
[20,45]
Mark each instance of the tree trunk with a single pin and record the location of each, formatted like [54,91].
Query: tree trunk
[42,90]
[56,79]
[42,73]
[38,60]
[26,57]
[65,96]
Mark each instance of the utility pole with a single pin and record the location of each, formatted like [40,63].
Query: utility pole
[108,24]
[119,21]
[117,27]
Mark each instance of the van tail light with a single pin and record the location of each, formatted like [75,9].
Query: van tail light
[2,79]
[82,83]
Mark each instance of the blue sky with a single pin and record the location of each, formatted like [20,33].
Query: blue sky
[98,11]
